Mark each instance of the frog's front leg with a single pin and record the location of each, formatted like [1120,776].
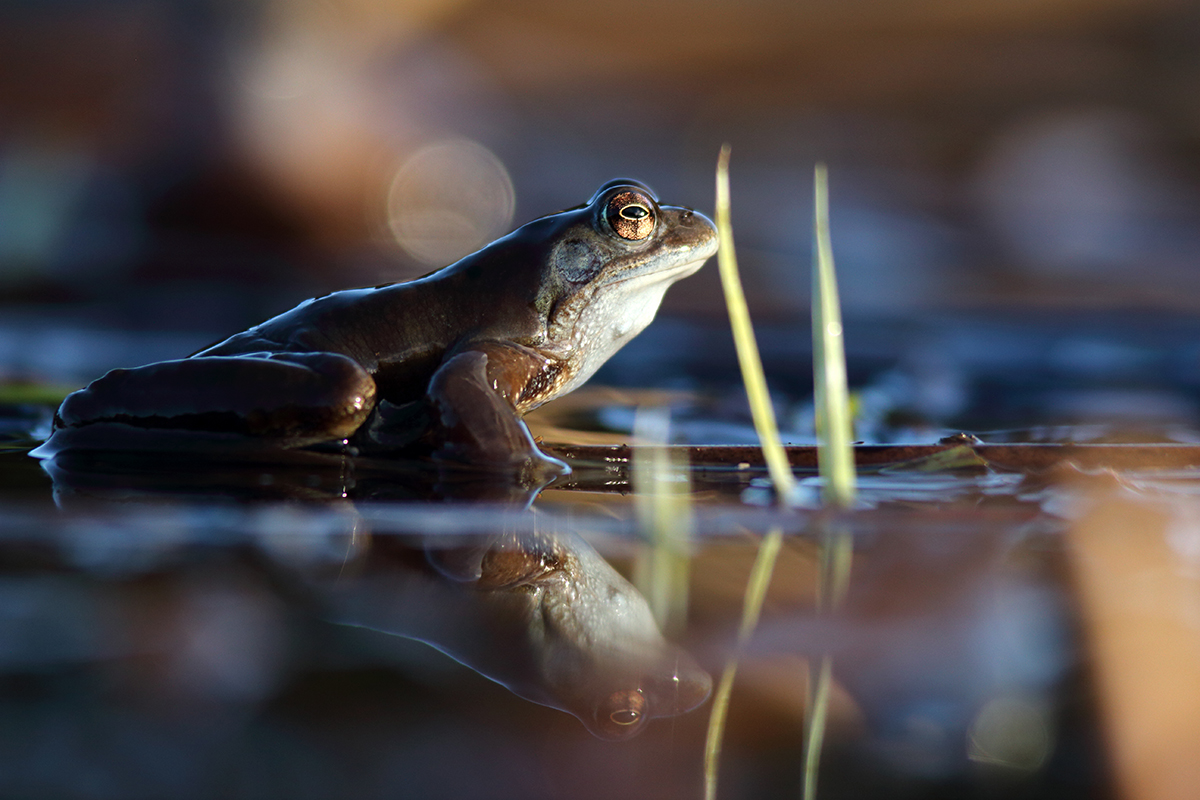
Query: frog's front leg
[258,400]
[475,395]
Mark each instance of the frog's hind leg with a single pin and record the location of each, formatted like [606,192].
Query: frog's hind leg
[259,400]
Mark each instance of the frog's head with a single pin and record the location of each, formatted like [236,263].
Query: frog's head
[593,647]
[603,269]
[608,664]
[568,631]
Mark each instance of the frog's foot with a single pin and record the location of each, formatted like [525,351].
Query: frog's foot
[259,401]
[480,426]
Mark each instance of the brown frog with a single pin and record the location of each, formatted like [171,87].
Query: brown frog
[450,361]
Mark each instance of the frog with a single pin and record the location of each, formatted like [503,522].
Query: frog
[449,362]
[539,612]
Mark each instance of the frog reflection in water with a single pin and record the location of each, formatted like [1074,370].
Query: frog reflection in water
[449,362]
[544,615]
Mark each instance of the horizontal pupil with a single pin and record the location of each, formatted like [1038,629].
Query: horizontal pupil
[634,212]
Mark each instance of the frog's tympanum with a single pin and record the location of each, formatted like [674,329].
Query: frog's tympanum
[450,361]
[545,616]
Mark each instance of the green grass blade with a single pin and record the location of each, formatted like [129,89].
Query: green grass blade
[835,452]
[773,452]
[747,347]
[835,458]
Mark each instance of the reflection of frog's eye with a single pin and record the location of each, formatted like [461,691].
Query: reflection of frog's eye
[621,714]
[625,716]
[631,215]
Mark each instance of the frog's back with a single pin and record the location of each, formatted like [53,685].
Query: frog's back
[387,324]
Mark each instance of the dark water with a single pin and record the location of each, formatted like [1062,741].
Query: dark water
[186,627]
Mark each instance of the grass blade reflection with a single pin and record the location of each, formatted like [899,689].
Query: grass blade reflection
[663,504]
[777,464]
[835,458]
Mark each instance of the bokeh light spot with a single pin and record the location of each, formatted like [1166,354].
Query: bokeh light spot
[449,199]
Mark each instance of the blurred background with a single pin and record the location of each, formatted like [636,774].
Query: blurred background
[1016,223]
[197,165]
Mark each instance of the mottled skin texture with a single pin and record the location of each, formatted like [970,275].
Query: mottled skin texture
[449,361]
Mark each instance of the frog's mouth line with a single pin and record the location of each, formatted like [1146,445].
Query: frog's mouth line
[664,273]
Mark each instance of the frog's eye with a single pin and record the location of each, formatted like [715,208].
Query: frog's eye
[631,215]
[624,717]
[622,714]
